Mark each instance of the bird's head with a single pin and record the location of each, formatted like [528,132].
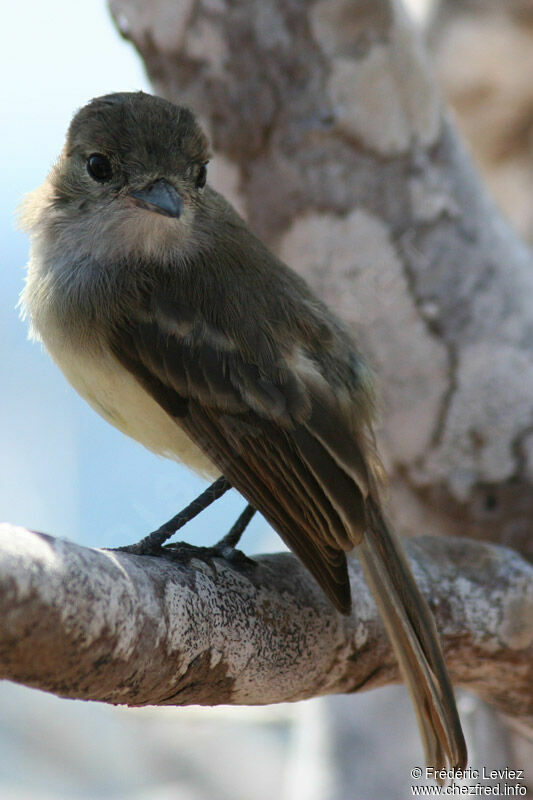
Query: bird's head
[129,180]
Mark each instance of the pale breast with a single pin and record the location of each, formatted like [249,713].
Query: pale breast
[118,397]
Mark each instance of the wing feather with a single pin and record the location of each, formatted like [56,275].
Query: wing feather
[278,438]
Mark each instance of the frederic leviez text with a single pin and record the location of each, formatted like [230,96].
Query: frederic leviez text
[510,781]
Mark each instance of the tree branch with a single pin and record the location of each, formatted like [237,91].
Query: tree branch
[123,629]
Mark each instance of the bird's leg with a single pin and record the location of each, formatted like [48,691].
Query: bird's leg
[225,548]
[183,551]
[152,544]
[233,536]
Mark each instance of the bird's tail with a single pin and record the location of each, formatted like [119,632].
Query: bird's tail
[415,640]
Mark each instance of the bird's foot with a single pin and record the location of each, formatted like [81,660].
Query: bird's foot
[149,546]
[185,553]
[226,548]
[152,544]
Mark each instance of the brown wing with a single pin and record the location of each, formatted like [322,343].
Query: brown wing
[279,438]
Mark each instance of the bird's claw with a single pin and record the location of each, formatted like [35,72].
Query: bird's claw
[185,552]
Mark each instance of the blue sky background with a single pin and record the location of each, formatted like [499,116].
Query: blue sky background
[63,469]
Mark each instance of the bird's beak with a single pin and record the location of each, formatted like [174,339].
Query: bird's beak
[159,196]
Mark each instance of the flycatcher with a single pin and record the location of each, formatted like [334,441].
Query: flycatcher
[179,327]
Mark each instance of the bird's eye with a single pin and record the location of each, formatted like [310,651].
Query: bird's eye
[201,177]
[99,167]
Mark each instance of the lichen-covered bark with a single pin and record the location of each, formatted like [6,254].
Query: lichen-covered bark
[332,139]
[104,625]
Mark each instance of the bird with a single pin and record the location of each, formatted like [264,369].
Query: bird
[178,326]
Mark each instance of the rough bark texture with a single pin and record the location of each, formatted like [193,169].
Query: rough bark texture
[132,630]
[332,139]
